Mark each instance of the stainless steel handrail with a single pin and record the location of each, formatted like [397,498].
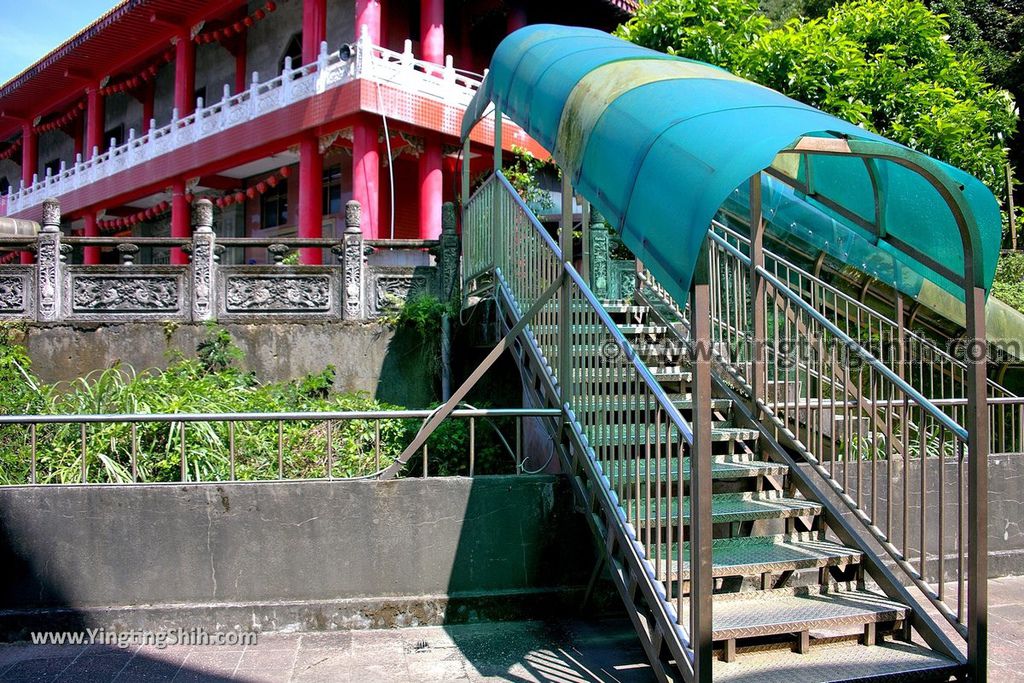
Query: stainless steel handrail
[868,358]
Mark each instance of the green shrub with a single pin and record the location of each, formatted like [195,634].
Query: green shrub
[208,383]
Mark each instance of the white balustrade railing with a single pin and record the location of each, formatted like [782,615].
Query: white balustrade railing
[366,61]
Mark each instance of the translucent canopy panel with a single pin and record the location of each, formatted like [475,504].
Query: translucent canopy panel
[657,144]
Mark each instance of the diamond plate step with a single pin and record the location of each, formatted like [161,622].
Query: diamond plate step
[838,662]
[754,555]
[722,467]
[617,434]
[794,610]
[628,330]
[728,507]
[621,308]
[680,401]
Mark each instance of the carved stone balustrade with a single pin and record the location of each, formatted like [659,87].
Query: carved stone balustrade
[356,286]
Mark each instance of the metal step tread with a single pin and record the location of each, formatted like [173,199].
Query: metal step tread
[611,403]
[753,555]
[623,307]
[835,662]
[617,434]
[627,329]
[730,507]
[792,610]
[722,467]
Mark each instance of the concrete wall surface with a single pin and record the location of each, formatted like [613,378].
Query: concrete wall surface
[1005,509]
[300,554]
[367,356]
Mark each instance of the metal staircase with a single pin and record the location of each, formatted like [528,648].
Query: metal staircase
[725,533]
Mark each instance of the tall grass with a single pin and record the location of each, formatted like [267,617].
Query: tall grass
[208,383]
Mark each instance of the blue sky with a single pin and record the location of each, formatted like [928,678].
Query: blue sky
[31,28]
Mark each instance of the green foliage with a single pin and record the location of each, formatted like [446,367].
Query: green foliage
[206,384]
[421,314]
[716,32]
[883,64]
[1009,283]
[218,351]
[522,174]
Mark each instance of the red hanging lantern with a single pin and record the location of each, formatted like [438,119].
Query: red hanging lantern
[248,22]
[237,26]
[259,15]
[250,193]
[272,181]
[239,196]
[189,197]
[285,172]
[271,5]
[261,187]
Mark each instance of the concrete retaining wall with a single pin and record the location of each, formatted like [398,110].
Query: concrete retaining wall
[320,555]
[1005,510]
[368,357]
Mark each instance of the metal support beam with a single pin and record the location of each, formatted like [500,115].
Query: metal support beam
[446,409]
[977,481]
[757,295]
[564,299]
[700,470]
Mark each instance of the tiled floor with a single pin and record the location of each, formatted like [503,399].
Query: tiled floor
[566,652]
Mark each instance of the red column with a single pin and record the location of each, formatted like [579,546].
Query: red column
[185,75]
[368,15]
[431,187]
[432,33]
[365,147]
[29,165]
[240,66]
[314,28]
[148,101]
[91,255]
[29,153]
[366,175]
[432,30]
[78,135]
[181,219]
[311,209]
[94,125]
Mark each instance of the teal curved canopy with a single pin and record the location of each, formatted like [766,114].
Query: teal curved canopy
[658,143]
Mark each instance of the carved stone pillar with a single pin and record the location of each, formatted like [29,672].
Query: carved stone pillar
[48,267]
[448,259]
[203,261]
[600,255]
[353,263]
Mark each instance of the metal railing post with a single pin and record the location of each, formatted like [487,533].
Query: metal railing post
[758,377]
[203,266]
[48,264]
[564,300]
[448,265]
[700,470]
[497,229]
[977,479]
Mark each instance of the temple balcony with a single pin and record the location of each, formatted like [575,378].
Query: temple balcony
[311,96]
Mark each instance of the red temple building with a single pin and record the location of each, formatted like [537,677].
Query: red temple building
[279,111]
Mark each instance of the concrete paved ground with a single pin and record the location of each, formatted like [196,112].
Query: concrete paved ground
[567,652]
[534,652]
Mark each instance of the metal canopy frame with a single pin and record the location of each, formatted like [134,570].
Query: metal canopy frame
[972,283]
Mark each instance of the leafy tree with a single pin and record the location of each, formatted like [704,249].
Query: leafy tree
[715,32]
[882,64]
